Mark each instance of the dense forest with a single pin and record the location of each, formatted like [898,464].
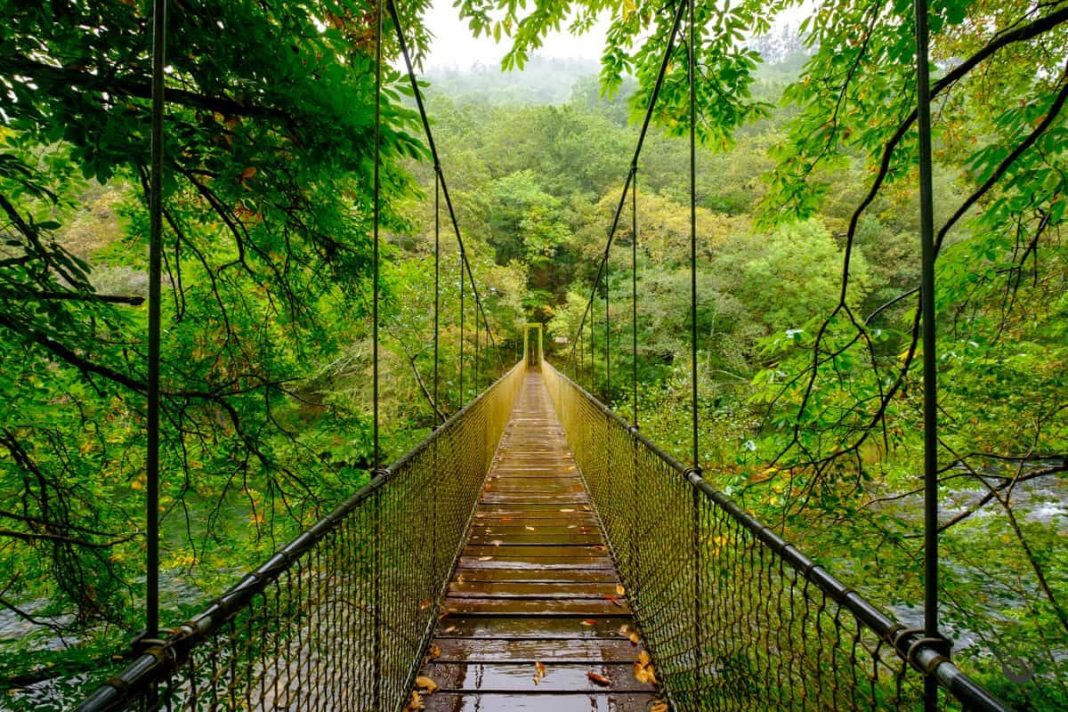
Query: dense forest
[808,354]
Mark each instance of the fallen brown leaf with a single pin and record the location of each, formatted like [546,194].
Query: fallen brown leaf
[598,679]
[589,621]
[485,558]
[415,703]
[659,706]
[425,684]
[620,590]
[643,669]
[539,671]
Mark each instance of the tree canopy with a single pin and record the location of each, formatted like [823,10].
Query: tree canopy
[808,273]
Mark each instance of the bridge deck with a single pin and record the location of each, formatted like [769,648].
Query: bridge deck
[535,586]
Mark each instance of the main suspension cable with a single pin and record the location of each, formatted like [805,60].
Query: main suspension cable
[465,263]
[377,213]
[437,292]
[155,298]
[691,54]
[634,297]
[930,361]
[633,166]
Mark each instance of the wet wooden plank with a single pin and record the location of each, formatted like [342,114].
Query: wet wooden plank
[595,702]
[590,650]
[536,606]
[576,550]
[512,628]
[535,583]
[548,575]
[538,589]
[468,563]
[560,676]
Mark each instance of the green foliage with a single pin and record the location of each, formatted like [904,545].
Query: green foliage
[809,342]
[810,403]
[266,405]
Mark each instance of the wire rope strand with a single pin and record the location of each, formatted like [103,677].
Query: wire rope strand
[155,298]
[464,262]
[930,363]
[691,72]
[377,216]
[634,160]
[437,290]
[634,296]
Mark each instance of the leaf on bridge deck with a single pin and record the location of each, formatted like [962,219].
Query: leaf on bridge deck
[539,671]
[425,684]
[599,679]
[659,706]
[643,669]
[415,703]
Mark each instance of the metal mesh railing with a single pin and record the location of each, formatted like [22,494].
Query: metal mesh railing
[734,617]
[338,618]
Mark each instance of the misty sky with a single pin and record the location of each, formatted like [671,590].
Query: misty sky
[453,46]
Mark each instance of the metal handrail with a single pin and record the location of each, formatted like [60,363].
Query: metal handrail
[927,656]
[157,658]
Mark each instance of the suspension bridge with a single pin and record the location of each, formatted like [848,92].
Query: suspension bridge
[537,551]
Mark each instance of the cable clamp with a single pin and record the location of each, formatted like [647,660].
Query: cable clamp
[380,472]
[898,631]
[158,648]
[142,645]
[941,645]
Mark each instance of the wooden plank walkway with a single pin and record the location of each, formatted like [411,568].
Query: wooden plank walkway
[535,617]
